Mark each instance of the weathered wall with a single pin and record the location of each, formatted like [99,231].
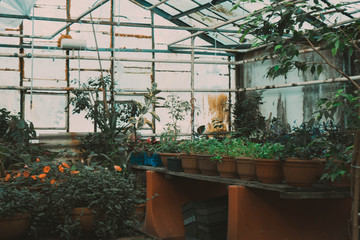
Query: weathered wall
[293,105]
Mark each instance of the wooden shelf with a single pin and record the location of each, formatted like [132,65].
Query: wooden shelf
[317,191]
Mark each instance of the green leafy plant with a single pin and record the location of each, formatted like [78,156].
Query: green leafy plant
[151,100]
[248,120]
[110,193]
[177,111]
[16,200]
[268,151]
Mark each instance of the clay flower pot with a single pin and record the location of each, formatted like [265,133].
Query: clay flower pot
[206,166]
[246,168]
[190,163]
[14,227]
[227,167]
[300,172]
[86,218]
[164,157]
[269,170]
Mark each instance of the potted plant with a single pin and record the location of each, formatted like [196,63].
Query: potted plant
[16,207]
[92,200]
[243,151]
[267,162]
[168,146]
[206,165]
[305,146]
[189,159]
[220,151]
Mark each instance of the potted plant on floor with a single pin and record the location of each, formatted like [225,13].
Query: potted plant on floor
[16,207]
[93,200]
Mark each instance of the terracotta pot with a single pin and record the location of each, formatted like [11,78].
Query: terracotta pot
[227,167]
[269,170]
[190,163]
[14,227]
[301,173]
[246,168]
[206,166]
[164,157]
[86,218]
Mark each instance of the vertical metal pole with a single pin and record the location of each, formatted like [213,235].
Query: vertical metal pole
[153,63]
[67,72]
[192,97]
[112,66]
[22,74]
[230,95]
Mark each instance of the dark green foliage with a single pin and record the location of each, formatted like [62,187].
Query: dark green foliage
[112,196]
[16,200]
[248,121]
[15,129]
[281,27]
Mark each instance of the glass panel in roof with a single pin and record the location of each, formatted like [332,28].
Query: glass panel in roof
[168,9]
[183,5]
[207,20]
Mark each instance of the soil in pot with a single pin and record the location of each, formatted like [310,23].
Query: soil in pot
[206,166]
[227,167]
[246,168]
[190,163]
[301,173]
[269,170]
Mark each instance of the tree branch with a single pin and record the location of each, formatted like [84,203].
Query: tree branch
[332,65]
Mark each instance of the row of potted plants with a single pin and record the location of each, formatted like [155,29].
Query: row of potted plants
[247,160]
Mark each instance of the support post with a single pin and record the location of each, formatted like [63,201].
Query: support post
[153,65]
[112,66]
[230,95]
[192,87]
[67,72]
[22,74]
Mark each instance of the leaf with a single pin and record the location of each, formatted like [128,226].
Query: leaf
[319,69]
[334,51]
[277,47]
[276,68]
[155,116]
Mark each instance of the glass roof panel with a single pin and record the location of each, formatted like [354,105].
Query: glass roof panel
[206,13]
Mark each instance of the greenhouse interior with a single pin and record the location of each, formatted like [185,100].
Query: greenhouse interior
[167,119]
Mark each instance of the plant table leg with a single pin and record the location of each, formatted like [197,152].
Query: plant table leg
[263,215]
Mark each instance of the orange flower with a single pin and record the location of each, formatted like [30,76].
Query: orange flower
[46,169]
[33,176]
[17,175]
[41,176]
[117,168]
[26,174]
[61,168]
[52,181]
[7,177]
[74,172]
[65,165]
[37,159]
